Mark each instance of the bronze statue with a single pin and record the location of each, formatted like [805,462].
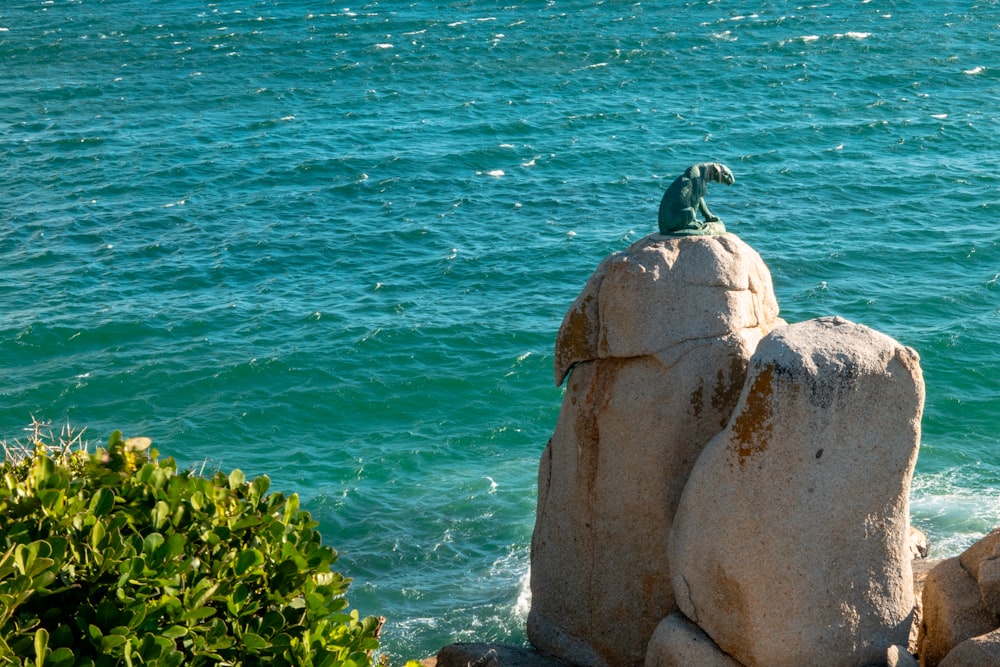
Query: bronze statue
[686,197]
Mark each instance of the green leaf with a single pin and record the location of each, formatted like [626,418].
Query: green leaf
[248,559]
[152,646]
[315,601]
[204,590]
[161,512]
[102,502]
[197,500]
[61,657]
[41,645]
[97,535]
[197,614]
[41,581]
[260,485]
[272,623]
[40,548]
[254,643]
[247,522]
[237,479]
[291,508]
[152,542]
[175,545]
[106,613]
[21,558]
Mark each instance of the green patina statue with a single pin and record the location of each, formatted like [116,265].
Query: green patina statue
[686,197]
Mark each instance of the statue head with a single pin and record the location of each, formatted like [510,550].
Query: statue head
[718,173]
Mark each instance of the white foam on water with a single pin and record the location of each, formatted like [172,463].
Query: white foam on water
[953,514]
[523,604]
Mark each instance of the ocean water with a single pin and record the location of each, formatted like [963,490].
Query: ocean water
[333,242]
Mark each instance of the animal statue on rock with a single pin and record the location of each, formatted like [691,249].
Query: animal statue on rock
[686,197]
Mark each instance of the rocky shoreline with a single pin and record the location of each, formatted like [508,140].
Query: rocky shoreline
[725,489]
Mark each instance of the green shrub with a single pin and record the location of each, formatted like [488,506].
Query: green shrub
[116,558]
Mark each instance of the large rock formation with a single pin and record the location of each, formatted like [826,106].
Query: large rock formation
[663,291]
[961,609]
[790,545]
[677,642]
[658,343]
[979,651]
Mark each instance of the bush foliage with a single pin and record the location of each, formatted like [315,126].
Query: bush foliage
[117,558]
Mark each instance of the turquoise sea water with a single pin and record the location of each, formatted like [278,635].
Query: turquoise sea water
[332,243]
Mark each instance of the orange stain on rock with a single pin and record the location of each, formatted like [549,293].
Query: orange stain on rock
[574,343]
[753,425]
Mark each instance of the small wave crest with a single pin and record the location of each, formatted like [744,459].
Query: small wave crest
[853,34]
[953,512]
[523,604]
